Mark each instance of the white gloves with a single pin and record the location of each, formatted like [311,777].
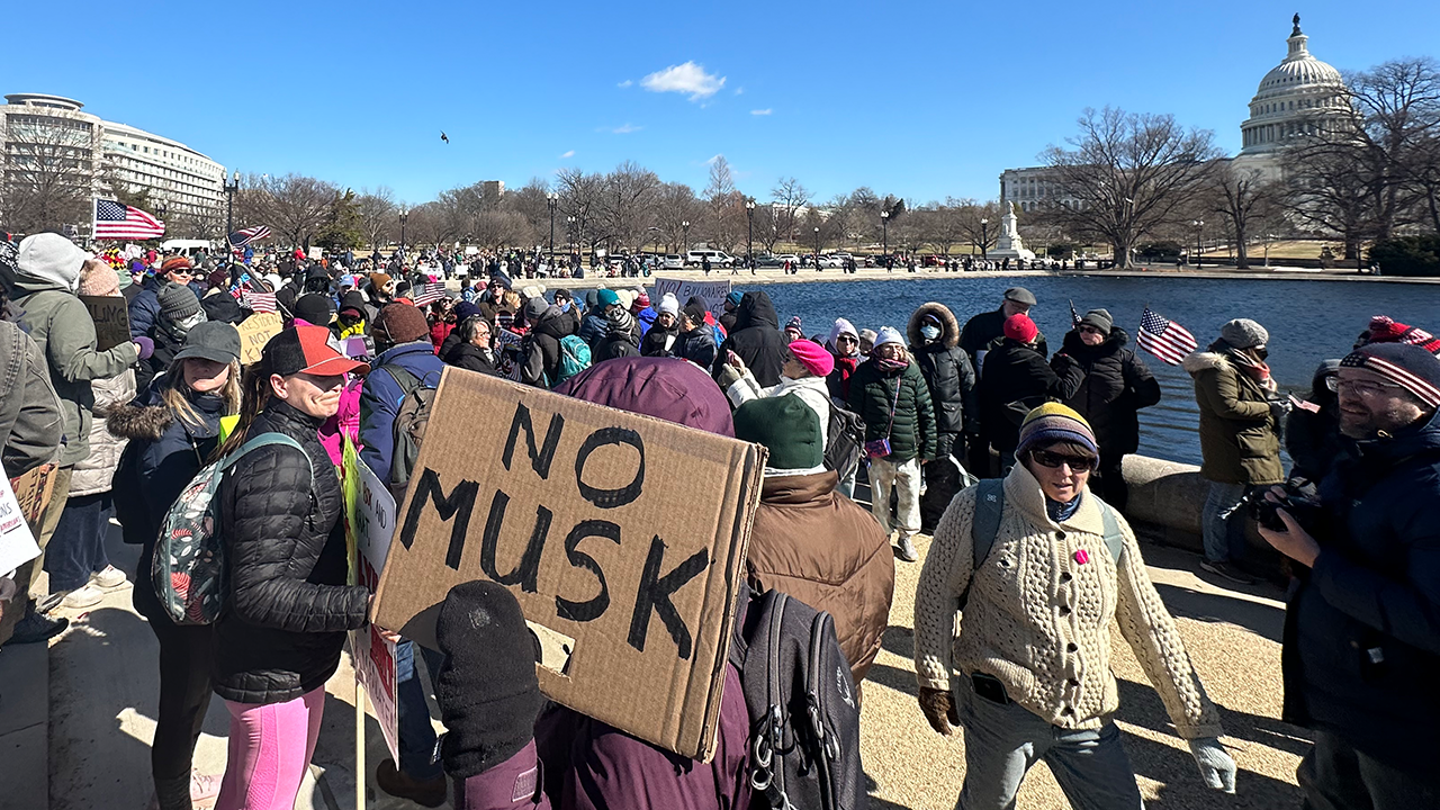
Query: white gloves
[1217,769]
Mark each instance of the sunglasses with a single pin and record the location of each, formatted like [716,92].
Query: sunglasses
[1090,330]
[1078,464]
[846,339]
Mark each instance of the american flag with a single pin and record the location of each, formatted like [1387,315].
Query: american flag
[427,293]
[259,301]
[245,237]
[1167,340]
[116,221]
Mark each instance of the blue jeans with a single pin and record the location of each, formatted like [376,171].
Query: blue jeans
[417,736]
[1220,506]
[77,549]
[1003,742]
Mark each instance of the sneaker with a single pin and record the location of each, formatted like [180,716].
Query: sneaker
[37,627]
[82,597]
[906,550]
[429,792]
[204,789]
[111,579]
[1225,570]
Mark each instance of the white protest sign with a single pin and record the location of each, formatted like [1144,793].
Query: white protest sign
[17,544]
[371,509]
[712,292]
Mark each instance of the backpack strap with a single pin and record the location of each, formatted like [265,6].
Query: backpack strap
[407,381]
[263,440]
[1114,537]
[989,504]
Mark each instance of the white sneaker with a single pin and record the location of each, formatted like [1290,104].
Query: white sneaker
[204,788]
[110,579]
[82,597]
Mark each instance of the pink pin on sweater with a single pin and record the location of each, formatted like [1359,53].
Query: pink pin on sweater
[1082,557]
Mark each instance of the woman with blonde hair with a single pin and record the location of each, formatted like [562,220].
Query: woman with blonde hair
[173,428]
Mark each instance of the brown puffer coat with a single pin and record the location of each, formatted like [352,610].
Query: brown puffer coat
[825,550]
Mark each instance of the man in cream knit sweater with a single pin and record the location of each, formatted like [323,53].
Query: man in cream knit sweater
[1031,670]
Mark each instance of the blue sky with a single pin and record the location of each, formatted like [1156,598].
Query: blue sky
[921,99]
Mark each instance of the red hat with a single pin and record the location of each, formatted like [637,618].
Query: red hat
[1020,327]
[307,349]
[813,357]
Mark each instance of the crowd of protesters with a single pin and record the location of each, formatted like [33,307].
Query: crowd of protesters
[1008,459]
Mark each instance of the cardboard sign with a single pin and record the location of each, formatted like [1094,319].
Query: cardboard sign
[112,320]
[316,254]
[370,523]
[255,332]
[713,292]
[623,564]
[17,542]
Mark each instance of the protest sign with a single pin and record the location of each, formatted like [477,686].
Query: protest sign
[22,502]
[713,292]
[112,321]
[370,523]
[624,568]
[255,332]
[316,254]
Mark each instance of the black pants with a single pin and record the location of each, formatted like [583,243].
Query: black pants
[1109,481]
[942,482]
[1335,776]
[186,654]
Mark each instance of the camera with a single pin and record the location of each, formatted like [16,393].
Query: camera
[1298,501]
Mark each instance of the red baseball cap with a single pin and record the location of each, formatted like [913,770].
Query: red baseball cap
[307,349]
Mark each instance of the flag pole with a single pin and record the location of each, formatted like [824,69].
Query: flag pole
[359,743]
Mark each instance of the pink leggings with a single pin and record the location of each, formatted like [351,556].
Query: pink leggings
[270,748]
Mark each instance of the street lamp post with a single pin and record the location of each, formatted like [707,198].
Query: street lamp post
[984,240]
[817,248]
[570,232]
[404,215]
[1199,249]
[749,235]
[685,248]
[231,186]
[1269,237]
[554,199]
[885,236]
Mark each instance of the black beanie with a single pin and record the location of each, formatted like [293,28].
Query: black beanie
[315,309]
[487,689]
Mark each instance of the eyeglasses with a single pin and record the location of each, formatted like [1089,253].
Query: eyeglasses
[1363,388]
[1078,464]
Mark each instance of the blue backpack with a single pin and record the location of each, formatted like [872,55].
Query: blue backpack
[574,358]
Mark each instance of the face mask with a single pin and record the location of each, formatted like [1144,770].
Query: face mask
[1261,353]
[930,331]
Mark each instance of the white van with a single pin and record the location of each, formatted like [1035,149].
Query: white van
[189,248]
[718,258]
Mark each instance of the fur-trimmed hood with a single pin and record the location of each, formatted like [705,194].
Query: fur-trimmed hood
[949,327]
[143,422]
[1203,361]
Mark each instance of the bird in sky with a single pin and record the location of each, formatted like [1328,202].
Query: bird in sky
[444,137]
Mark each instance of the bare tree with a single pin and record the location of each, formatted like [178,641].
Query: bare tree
[789,196]
[295,206]
[627,203]
[49,170]
[676,205]
[1128,173]
[1245,199]
[980,223]
[379,217]
[580,196]
[498,229]
[532,201]
[723,204]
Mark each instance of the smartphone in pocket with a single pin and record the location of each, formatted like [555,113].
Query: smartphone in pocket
[990,688]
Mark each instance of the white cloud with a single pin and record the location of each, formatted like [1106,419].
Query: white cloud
[765,111]
[568,154]
[711,161]
[624,129]
[625,84]
[739,91]
[688,78]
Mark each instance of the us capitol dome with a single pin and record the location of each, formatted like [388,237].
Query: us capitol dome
[1295,98]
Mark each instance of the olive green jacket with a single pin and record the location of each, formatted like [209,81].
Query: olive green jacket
[1239,438]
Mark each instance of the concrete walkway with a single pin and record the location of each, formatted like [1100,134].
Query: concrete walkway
[103,686]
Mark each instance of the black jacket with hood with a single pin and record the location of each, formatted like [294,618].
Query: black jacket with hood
[1116,386]
[542,347]
[954,390]
[756,339]
[1014,379]
[288,606]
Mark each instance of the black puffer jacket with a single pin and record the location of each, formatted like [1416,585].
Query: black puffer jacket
[756,339]
[661,342]
[615,344]
[1015,378]
[954,392]
[471,357]
[1116,386]
[984,331]
[288,607]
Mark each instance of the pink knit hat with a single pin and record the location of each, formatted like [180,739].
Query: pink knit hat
[813,357]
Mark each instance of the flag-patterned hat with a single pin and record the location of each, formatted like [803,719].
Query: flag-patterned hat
[1406,365]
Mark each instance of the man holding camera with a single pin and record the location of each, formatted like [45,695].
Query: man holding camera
[1362,631]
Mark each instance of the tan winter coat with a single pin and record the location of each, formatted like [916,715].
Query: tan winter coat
[1238,437]
[93,473]
[1040,621]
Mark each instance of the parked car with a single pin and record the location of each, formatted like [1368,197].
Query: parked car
[788,257]
[718,258]
[831,262]
[673,261]
[769,261]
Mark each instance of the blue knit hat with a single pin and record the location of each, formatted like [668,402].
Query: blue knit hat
[607,298]
[735,297]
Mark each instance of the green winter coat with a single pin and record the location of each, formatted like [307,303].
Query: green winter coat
[1238,435]
[872,392]
[60,325]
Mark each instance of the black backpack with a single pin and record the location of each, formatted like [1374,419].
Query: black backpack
[844,440]
[804,717]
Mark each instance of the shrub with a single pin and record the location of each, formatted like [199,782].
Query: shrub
[1408,255]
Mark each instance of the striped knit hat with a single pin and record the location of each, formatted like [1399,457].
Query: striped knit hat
[1053,422]
[1406,365]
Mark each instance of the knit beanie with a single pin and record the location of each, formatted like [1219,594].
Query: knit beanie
[99,280]
[1384,329]
[888,334]
[669,304]
[353,301]
[734,297]
[592,299]
[487,689]
[1020,327]
[175,263]
[787,427]
[696,313]
[315,309]
[642,299]
[177,302]
[1053,422]
[466,309]
[606,298]
[1404,364]
[378,281]
[1243,333]
[1100,319]
[813,357]
[620,320]
[868,334]
[794,325]
[535,309]
[401,323]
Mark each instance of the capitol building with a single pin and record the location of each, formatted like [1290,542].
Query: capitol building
[1295,98]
